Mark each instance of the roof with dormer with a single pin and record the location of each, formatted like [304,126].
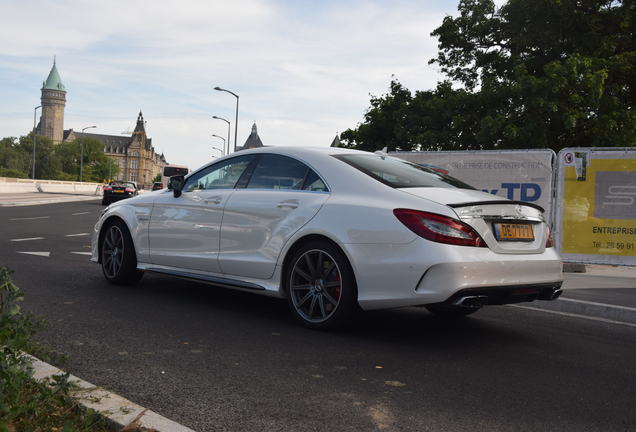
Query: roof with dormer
[53,81]
[116,143]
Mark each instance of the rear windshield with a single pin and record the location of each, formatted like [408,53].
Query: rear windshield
[126,184]
[399,173]
[173,171]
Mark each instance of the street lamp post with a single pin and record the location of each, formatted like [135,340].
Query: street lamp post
[217,149]
[220,137]
[33,162]
[236,117]
[82,152]
[228,132]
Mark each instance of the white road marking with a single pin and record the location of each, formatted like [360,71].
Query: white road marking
[597,304]
[27,239]
[82,253]
[76,235]
[30,218]
[80,213]
[44,254]
[591,318]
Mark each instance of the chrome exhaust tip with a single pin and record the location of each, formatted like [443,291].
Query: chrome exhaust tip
[471,302]
[550,295]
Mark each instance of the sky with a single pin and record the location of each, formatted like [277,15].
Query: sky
[304,70]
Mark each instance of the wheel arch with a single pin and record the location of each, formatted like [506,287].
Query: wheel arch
[105,224]
[304,240]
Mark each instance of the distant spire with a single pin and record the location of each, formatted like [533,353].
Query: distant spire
[336,141]
[53,81]
[140,123]
[253,141]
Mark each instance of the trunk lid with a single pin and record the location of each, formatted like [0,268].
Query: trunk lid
[507,227]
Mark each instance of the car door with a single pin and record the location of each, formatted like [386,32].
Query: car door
[281,196]
[184,230]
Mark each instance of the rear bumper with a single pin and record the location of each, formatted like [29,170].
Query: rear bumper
[116,197]
[474,298]
[422,273]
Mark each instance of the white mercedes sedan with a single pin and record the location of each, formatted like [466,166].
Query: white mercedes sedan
[334,230]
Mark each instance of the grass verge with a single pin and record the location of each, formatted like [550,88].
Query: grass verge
[25,404]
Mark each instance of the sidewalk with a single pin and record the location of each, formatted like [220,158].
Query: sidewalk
[606,293]
[37,198]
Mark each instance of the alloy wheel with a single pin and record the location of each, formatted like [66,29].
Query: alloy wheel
[315,286]
[113,251]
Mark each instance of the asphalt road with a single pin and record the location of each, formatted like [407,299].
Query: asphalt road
[219,360]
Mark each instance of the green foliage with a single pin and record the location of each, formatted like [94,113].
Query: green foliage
[14,162]
[47,163]
[531,74]
[55,162]
[157,178]
[105,169]
[27,405]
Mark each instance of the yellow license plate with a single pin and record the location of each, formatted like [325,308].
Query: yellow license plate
[513,232]
[118,191]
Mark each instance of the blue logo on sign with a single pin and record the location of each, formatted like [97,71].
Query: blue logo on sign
[527,191]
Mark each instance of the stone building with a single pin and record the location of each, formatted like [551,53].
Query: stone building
[134,155]
[53,102]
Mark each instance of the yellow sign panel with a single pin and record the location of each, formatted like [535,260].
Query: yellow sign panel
[599,208]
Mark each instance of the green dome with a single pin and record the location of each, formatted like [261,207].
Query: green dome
[53,82]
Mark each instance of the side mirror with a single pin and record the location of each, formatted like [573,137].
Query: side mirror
[176,184]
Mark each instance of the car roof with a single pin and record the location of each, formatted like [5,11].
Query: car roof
[301,150]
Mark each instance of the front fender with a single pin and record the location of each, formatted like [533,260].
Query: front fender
[136,219]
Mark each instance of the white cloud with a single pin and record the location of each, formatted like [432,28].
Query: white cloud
[303,70]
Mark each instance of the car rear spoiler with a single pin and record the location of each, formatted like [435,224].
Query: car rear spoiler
[468,204]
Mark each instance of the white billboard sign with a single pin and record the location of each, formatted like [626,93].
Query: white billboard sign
[521,175]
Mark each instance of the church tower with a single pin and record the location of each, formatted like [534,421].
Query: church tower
[53,103]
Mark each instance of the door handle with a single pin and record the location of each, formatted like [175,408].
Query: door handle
[214,200]
[292,204]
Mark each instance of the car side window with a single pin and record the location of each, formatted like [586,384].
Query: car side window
[278,172]
[314,183]
[223,175]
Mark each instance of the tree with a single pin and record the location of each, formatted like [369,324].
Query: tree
[105,170]
[157,178]
[13,162]
[95,162]
[47,164]
[531,74]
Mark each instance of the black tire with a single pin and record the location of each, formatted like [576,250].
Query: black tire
[321,287]
[449,311]
[118,256]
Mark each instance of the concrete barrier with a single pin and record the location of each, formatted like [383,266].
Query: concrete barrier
[16,185]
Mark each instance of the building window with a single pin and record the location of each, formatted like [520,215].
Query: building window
[134,164]
[135,154]
[133,177]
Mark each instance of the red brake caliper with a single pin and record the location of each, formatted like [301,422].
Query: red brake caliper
[338,287]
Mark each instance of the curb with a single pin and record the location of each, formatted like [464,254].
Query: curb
[119,412]
[622,314]
[569,267]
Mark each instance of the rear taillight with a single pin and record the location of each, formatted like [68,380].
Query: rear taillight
[438,228]
[550,242]
[107,188]
[129,190]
